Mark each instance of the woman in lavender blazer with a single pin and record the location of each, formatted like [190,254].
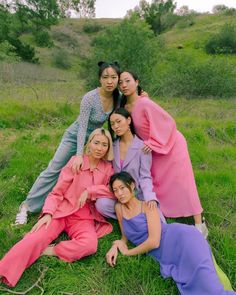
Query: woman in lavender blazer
[129,157]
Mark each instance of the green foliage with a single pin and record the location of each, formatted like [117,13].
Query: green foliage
[132,43]
[184,75]
[7,52]
[224,42]
[43,39]
[61,59]
[90,27]
[25,51]
[83,8]
[158,14]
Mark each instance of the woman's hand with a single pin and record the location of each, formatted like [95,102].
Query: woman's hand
[82,199]
[77,164]
[152,204]
[45,220]
[111,256]
[146,149]
[121,245]
[144,94]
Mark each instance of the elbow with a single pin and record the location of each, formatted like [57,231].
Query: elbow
[154,243]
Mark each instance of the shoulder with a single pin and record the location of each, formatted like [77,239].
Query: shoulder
[118,209]
[91,95]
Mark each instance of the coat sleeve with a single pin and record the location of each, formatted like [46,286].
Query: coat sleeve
[102,190]
[56,196]
[145,180]
[162,128]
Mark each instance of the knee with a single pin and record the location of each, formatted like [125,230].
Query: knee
[106,207]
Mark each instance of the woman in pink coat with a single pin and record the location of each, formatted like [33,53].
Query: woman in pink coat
[171,169]
[70,208]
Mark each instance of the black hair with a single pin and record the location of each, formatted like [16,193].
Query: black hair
[116,67]
[123,112]
[123,176]
[139,88]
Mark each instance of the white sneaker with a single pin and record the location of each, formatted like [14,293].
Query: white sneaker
[202,228]
[21,217]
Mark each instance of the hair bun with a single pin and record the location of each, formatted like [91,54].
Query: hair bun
[100,63]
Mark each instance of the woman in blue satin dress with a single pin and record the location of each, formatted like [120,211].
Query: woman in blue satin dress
[181,250]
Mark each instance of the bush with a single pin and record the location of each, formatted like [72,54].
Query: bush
[43,39]
[130,42]
[90,27]
[183,75]
[224,42]
[61,59]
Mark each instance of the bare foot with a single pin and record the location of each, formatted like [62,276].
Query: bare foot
[49,251]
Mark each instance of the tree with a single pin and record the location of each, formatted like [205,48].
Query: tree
[159,14]
[133,44]
[82,8]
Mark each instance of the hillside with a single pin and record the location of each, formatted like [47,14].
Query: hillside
[39,101]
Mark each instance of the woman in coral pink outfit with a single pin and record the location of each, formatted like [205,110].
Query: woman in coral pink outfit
[70,208]
[171,169]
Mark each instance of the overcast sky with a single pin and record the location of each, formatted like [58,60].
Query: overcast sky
[118,8]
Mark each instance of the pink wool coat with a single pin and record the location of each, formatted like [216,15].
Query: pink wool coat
[172,172]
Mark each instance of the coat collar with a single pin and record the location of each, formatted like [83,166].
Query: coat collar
[135,147]
[86,166]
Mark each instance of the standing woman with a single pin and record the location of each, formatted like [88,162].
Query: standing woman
[69,207]
[172,172]
[183,253]
[95,109]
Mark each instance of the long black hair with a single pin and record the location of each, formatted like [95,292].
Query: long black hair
[124,177]
[139,88]
[123,112]
[116,67]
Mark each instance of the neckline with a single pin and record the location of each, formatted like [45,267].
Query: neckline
[107,113]
[133,216]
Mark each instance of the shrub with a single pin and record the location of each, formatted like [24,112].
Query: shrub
[43,39]
[130,42]
[224,42]
[61,59]
[183,75]
[90,27]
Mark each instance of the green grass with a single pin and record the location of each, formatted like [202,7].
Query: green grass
[29,135]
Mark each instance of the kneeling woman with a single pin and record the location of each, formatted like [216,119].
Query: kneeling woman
[70,208]
[181,250]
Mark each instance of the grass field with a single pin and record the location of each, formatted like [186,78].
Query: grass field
[38,102]
[30,131]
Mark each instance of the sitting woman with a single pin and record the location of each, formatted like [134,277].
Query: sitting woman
[128,156]
[70,208]
[181,250]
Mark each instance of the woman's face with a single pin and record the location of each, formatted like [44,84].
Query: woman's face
[98,146]
[127,84]
[109,79]
[119,124]
[121,191]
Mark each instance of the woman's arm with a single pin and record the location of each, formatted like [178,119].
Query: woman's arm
[154,235]
[56,196]
[145,178]
[112,254]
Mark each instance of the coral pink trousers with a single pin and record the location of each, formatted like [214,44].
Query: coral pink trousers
[83,241]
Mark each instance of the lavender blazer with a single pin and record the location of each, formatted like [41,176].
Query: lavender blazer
[138,164]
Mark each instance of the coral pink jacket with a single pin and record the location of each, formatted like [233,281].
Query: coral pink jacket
[62,201]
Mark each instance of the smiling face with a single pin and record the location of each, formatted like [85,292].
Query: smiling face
[120,124]
[122,192]
[109,79]
[128,85]
[98,146]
